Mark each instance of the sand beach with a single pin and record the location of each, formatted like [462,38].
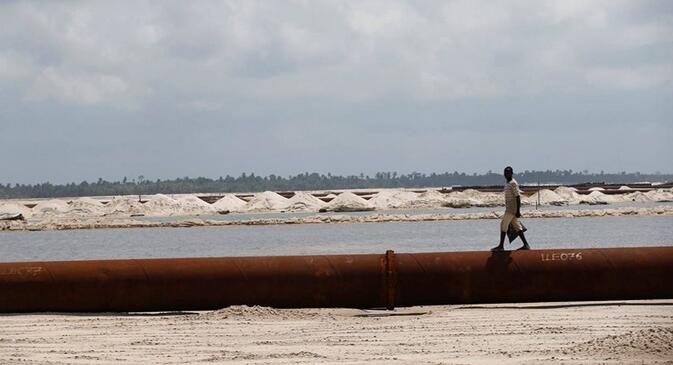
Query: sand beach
[617,332]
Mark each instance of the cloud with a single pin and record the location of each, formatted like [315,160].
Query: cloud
[423,68]
[640,35]
[591,14]
[14,66]
[356,50]
[384,19]
[202,105]
[85,89]
[632,79]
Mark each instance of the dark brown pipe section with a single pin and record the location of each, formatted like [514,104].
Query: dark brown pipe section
[358,281]
[535,276]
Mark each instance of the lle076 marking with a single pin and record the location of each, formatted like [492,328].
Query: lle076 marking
[564,256]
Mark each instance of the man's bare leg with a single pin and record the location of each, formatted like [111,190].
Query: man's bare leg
[525,243]
[500,247]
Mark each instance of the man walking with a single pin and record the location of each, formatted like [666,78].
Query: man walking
[512,211]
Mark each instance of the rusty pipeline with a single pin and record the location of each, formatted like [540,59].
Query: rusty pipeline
[360,281]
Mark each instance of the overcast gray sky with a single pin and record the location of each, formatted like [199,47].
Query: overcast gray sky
[169,89]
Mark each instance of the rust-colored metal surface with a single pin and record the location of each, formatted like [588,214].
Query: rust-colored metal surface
[201,283]
[536,275]
[360,281]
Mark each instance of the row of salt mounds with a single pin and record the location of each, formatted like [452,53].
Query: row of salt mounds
[394,199]
[229,203]
[570,195]
[85,206]
[659,195]
[348,202]
[14,208]
[125,206]
[158,205]
[266,201]
[303,201]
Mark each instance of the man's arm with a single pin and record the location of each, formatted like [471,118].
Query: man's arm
[518,206]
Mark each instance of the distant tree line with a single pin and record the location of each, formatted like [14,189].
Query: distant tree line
[314,181]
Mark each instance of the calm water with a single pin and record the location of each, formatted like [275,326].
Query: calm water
[329,238]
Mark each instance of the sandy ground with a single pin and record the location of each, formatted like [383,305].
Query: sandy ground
[570,333]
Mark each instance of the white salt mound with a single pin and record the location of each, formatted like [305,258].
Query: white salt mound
[489,199]
[160,205]
[124,206]
[660,195]
[13,208]
[229,202]
[85,206]
[394,199]
[348,202]
[193,205]
[624,187]
[484,199]
[605,198]
[265,201]
[50,207]
[460,199]
[596,188]
[546,197]
[471,193]
[430,199]
[476,198]
[85,200]
[303,201]
[636,196]
[570,195]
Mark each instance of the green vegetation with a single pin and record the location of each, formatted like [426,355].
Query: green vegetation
[313,181]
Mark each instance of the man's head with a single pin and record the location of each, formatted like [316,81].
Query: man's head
[508,173]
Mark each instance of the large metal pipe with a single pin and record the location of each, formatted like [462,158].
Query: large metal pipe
[360,281]
[536,275]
